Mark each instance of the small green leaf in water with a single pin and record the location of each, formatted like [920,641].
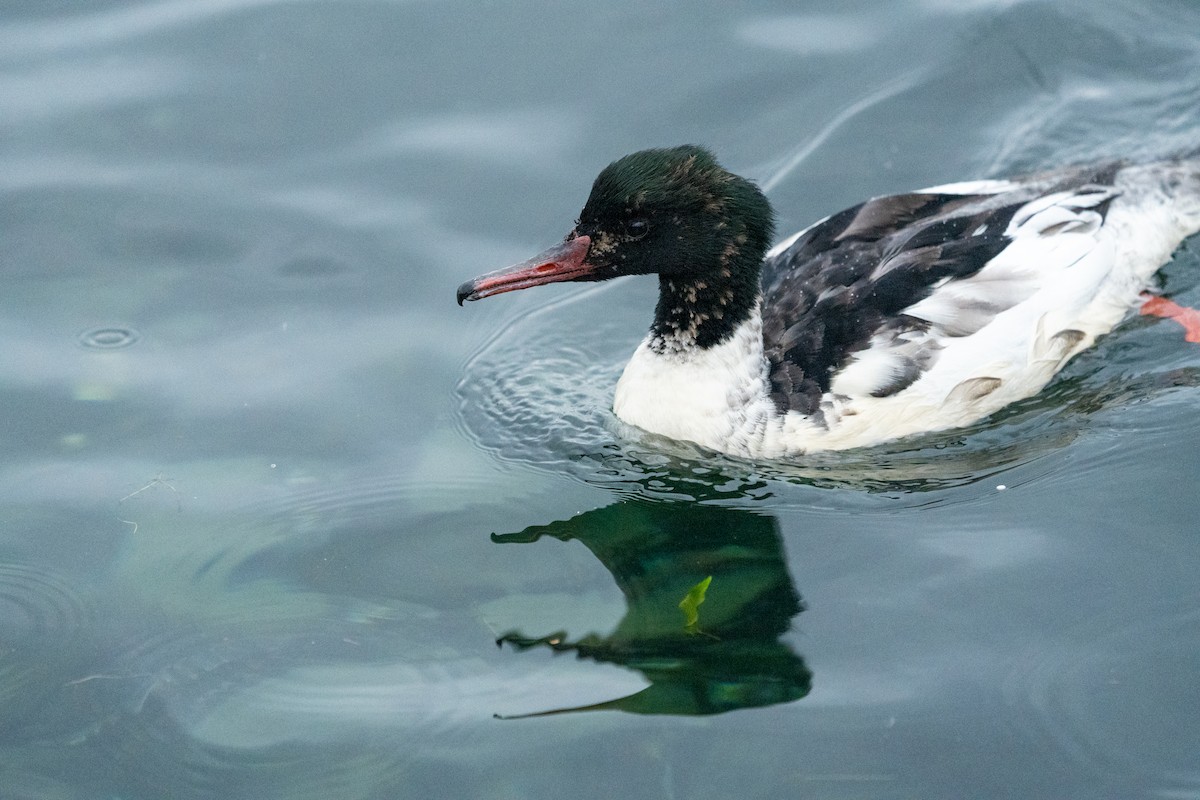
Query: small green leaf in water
[690,604]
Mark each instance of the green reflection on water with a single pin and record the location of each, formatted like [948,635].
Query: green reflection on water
[659,552]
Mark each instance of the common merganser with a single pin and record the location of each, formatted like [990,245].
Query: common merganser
[903,314]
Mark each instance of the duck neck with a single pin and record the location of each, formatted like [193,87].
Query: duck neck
[703,312]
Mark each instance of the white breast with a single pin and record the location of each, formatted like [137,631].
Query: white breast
[715,397]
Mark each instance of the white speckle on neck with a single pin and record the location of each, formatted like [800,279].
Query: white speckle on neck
[716,397]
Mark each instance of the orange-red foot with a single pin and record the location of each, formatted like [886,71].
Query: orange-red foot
[1189,318]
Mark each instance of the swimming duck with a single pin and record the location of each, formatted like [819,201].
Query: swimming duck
[903,314]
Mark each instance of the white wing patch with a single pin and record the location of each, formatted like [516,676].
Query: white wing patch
[1062,212]
[1045,266]
[972,187]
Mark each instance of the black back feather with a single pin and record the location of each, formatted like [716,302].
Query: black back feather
[848,278]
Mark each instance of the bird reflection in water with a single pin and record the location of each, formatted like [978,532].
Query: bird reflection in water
[704,648]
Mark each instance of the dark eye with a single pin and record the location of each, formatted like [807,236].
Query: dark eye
[637,227]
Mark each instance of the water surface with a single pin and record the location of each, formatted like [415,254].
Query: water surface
[270,501]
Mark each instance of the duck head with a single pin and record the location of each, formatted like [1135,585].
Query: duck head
[673,212]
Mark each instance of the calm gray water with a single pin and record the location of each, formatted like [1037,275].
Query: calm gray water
[269,499]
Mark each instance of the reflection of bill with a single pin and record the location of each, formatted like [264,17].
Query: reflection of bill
[707,595]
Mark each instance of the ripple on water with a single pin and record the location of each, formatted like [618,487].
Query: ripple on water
[216,710]
[319,507]
[108,338]
[539,392]
[1119,695]
[315,711]
[42,624]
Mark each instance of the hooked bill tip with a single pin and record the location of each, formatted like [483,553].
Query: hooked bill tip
[464,292]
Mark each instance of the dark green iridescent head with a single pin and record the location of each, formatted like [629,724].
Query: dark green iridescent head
[678,213]
[674,212]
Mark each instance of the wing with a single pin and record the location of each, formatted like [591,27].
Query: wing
[860,303]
